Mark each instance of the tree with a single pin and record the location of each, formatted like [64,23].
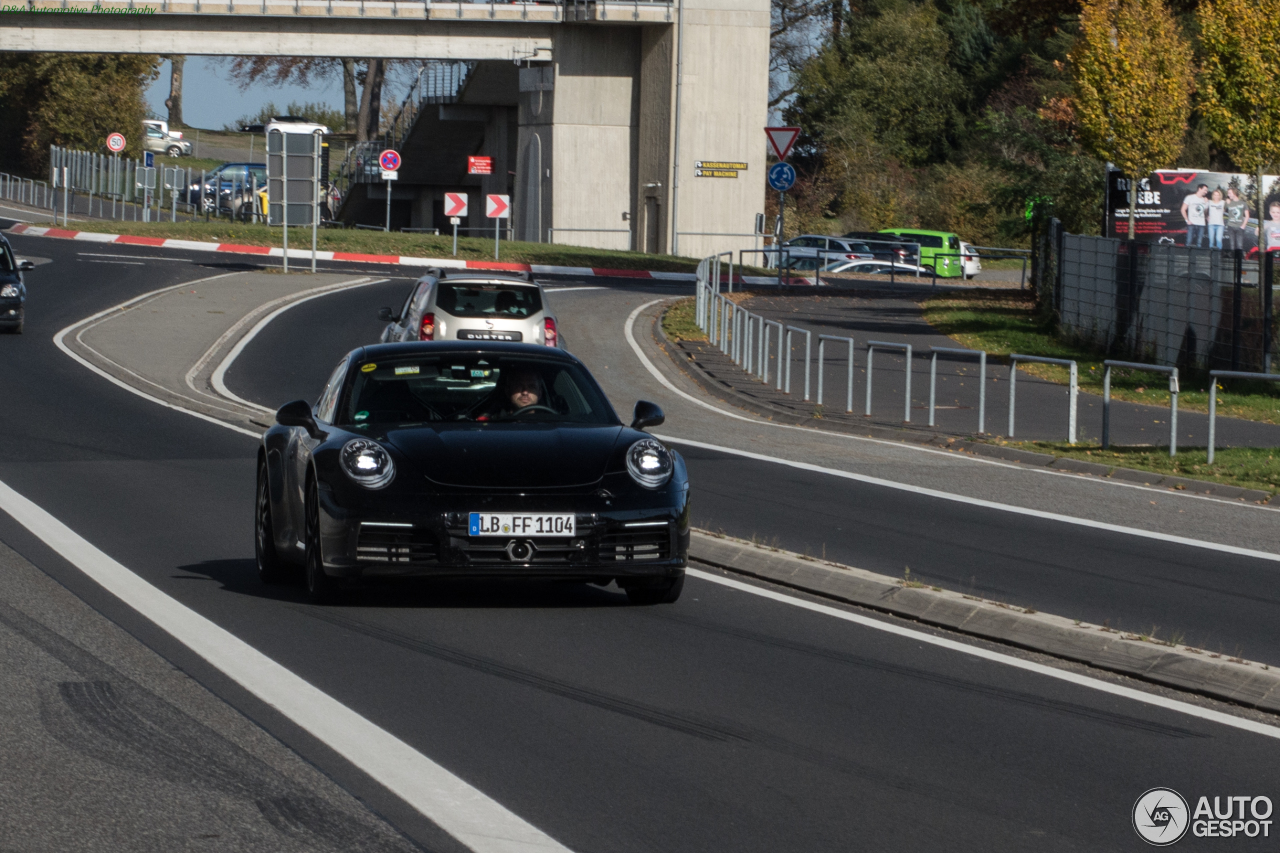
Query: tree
[889,73]
[1133,80]
[1239,66]
[174,102]
[71,100]
[280,70]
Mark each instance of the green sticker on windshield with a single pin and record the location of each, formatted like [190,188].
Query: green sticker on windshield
[360,416]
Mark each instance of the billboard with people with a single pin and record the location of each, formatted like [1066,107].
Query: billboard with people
[1200,209]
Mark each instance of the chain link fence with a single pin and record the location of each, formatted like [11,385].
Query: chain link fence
[1196,309]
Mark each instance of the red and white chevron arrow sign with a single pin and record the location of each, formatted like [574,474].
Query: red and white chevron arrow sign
[497,206]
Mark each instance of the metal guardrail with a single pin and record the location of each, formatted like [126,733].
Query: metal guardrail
[982,381]
[1171,372]
[822,340]
[904,348]
[808,340]
[26,191]
[1073,391]
[1214,376]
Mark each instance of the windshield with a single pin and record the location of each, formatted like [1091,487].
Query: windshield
[473,387]
[497,301]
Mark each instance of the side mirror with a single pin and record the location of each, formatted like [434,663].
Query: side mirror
[25,264]
[646,415]
[385,315]
[298,414]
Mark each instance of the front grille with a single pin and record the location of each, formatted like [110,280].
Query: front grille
[545,552]
[630,546]
[401,546]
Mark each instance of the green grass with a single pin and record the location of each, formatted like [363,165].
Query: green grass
[678,322]
[1005,322]
[1246,467]
[381,243]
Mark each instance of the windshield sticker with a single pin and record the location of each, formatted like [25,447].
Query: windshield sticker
[368,368]
[479,374]
[361,415]
[406,369]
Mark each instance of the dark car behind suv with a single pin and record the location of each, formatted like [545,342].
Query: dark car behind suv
[886,247]
[13,293]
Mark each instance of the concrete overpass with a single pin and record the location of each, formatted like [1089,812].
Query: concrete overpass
[598,134]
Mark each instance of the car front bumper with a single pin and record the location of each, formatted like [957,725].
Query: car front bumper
[431,540]
[11,312]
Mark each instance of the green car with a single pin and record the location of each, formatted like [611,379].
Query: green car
[938,249]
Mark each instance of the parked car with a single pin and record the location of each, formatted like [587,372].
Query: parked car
[884,247]
[469,459]
[232,184]
[473,307]
[13,293]
[972,264]
[938,249]
[880,268]
[154,139]
[820,246]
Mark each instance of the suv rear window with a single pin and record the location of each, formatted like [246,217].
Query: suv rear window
[926,241]
[507,301]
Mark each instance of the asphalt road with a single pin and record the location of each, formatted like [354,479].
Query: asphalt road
[724,722]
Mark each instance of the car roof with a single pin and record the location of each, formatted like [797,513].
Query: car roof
[376,351]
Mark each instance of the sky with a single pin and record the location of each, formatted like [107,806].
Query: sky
[211,100]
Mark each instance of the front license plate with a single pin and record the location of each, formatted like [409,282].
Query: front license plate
[506,524]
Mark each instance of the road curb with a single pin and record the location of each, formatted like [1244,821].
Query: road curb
[711,384]
[1236,680]
[358,257]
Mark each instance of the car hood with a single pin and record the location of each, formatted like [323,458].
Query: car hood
[509,456]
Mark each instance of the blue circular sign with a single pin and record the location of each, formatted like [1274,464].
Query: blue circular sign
[389,160]
[782,177]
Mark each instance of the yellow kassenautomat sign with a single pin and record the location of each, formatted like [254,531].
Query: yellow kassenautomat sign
[718,168]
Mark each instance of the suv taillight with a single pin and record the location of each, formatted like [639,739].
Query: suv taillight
[428,330]
[550,335]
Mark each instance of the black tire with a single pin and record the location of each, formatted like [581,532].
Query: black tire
[665,593]
[173,151]
[271,568]
[321,589]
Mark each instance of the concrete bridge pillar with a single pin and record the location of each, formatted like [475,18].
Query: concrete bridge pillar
[597,150]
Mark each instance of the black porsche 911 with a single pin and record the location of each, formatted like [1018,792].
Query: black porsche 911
[466,459]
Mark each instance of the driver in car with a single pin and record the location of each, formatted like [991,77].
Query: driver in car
[518,389]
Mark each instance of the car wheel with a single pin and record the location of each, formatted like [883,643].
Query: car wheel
[665,592]
[173,151]
[321,588]
[271,568]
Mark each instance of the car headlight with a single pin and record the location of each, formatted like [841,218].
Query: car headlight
[649,463]
[367,463]
[9,290]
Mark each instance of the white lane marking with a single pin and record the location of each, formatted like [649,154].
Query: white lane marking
[649,365]
[59,341]
[997,657]
[121,263]
[979,502]
[131,257]
[219,375]
[464,812]
[567,289]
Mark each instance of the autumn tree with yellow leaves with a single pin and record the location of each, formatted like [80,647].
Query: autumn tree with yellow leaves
[1133,81]
[1239,70]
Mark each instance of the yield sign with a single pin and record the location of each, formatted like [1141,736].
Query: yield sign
[455,204]
[497,206]
[782,138]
